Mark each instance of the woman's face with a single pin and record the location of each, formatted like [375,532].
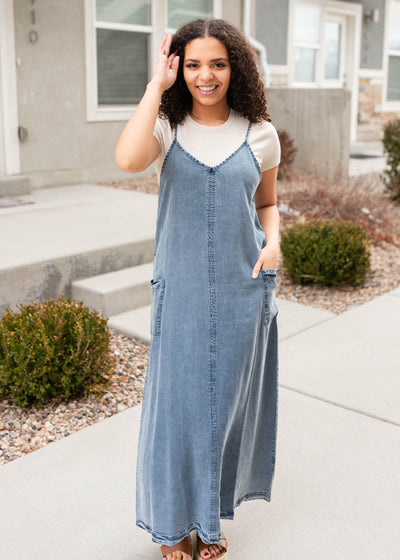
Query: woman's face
[207,71]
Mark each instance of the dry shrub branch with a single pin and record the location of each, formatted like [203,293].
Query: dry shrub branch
[357,199]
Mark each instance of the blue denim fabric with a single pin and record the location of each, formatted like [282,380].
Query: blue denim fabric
[208,425]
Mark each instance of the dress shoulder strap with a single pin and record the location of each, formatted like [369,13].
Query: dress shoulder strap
[248,130]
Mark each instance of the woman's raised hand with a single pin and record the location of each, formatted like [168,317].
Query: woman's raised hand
[167,65]
[137,146]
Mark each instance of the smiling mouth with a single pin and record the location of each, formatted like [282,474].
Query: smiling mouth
[207,89]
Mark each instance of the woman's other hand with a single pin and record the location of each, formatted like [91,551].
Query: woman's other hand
[167,65]
[267,259]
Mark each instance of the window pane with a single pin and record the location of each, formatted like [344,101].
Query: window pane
[394,26]
[124,11]
[332,49]
[393,92]
[181,11]
[304,65]
[307,23]
[122,58]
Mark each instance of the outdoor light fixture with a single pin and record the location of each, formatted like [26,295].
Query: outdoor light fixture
[371,16]
[22,133]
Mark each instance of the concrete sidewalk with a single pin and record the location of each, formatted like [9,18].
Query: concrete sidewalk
[366,157]
[336,490]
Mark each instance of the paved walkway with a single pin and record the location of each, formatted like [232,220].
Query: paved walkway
[337,486]
[366,157]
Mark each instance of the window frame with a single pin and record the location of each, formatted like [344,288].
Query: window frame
[388,105]
[94,112]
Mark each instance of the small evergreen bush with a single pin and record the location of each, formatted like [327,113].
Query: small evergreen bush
[391,145]
[327,252]
[57,348]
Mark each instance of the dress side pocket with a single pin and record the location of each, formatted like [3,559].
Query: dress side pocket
[157,297]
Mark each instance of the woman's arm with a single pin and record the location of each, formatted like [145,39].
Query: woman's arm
[266,204]
[137,147]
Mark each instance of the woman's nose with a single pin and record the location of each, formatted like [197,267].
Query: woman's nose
[206,73]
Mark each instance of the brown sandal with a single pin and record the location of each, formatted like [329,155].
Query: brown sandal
[223,555]
[184,546]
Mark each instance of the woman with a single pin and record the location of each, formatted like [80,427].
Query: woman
[208,426]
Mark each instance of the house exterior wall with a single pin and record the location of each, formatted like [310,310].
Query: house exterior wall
[273,33]
[62,147]
[307,116]
[52,99]
[372,35]
[373,115]
[271,29]
[370,116]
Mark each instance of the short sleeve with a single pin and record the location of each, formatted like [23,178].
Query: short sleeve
[270,149]
[162,131]
[158,129]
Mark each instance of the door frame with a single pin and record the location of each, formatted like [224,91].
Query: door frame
[353,13]
[9,142]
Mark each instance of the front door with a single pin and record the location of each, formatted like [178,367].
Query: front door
[334,63]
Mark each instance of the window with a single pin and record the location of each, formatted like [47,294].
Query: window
[123,28]
[121,48]
[306,41]
[393,75]
[180,11]
[319,44]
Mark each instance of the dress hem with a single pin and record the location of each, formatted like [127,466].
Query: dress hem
[230,514]
[174,539]
[208,538]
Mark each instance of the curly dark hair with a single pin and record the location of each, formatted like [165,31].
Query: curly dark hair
[246,90]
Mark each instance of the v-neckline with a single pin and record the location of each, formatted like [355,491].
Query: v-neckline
[191,156]
[211,167]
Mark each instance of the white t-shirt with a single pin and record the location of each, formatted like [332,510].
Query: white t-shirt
[213,144]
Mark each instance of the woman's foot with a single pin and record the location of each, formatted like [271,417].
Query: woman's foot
[209,551]
[179,551]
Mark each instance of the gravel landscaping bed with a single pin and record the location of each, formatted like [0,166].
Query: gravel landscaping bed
[23,430]
[383,277]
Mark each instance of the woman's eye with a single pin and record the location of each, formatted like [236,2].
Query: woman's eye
[194,65]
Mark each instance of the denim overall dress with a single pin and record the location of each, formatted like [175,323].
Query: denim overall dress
[207,435]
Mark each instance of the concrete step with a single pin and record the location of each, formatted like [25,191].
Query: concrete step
[134,323]
[116,292]
[11,185]
[71,233]
[37,281]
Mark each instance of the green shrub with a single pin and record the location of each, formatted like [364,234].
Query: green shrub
[327,252]
[57,348]
[391,145]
